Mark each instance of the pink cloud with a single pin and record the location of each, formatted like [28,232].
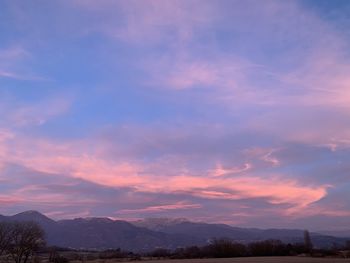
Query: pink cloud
[160,208]
[5,136]
[276,189]
[23,115]
[226,77]
[337,210]
[33,194]
[324,78]
[229,75]
[149,21]
[61,159]
[35,115]
[8,200]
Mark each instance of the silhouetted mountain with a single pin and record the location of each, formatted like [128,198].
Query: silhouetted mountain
[106,233]
[103,233]
[35,216]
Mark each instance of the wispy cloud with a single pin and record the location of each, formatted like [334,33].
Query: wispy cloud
[220,171]
[11,64]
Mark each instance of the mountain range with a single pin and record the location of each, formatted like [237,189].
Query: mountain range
[151,233]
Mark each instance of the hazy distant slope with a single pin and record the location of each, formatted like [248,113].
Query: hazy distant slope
[158,224]
[343,233]
[208,231]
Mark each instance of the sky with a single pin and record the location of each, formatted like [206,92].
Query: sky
[233,112]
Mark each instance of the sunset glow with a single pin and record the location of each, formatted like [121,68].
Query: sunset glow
[216,111]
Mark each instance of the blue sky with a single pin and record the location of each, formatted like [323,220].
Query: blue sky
[218,111]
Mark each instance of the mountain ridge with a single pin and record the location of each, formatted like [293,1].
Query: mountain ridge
[143,235]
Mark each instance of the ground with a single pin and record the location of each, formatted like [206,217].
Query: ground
[257,260]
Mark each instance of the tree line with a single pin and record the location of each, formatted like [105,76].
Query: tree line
[20,240]
[225,248]
[217,248]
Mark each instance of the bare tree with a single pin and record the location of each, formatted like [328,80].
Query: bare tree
[307,242]
[27,238]
[5,237]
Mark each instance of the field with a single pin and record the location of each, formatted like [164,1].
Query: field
[257,260]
